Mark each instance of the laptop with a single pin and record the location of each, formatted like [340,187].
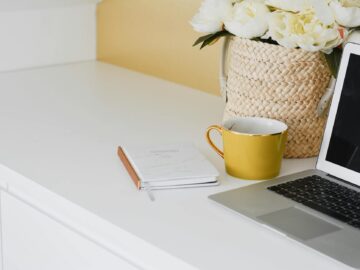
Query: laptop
[319,208]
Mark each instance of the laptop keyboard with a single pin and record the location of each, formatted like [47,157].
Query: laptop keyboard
[327,197]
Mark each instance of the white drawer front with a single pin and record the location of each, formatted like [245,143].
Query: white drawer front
[34,241]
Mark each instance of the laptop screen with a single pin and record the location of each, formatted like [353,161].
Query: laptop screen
[344,146]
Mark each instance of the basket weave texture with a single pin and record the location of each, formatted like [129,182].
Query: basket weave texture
[271,81]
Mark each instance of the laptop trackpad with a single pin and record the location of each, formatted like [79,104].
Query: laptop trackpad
[298,223]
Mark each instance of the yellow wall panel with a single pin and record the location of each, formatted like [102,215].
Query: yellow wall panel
[155,37]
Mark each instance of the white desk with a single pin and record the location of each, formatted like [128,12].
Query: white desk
[60,127]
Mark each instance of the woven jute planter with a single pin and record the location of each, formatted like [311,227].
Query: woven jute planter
[271,81]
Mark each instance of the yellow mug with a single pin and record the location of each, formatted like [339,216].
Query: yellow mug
[253,146]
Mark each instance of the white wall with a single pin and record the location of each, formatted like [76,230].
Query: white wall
[37,33]
[6,5]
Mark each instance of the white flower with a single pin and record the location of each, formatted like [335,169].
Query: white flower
[354,37]
[249,19]
[211,16]
[293,5]
[347,12]
[320,7]
[303,30]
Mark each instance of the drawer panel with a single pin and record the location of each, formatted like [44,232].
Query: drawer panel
[32,240]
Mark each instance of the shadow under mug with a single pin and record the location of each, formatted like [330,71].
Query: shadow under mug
[253,146]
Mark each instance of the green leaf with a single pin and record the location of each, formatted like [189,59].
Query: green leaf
[211,38]
[333,60]
[202,39]
[268,41]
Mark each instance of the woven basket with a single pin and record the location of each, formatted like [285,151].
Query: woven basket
[271,81]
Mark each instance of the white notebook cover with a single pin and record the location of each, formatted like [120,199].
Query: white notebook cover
[171,165]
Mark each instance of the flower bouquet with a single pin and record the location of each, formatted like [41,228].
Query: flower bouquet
[282,57]
[311,25]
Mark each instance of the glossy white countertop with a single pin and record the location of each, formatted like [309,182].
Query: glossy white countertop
[60,127]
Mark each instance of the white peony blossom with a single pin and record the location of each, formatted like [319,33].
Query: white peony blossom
[293,5]
[320,7]
[303,30]
[211,16]
[249,19]
[347,12]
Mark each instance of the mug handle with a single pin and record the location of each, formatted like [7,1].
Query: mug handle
[218,129]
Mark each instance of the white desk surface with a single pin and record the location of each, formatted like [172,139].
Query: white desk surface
[60,127]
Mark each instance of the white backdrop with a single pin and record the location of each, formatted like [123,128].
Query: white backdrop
[37,33]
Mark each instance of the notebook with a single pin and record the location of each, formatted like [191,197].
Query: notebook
[168,166]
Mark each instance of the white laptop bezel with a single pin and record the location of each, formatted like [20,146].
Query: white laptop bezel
[322,164]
